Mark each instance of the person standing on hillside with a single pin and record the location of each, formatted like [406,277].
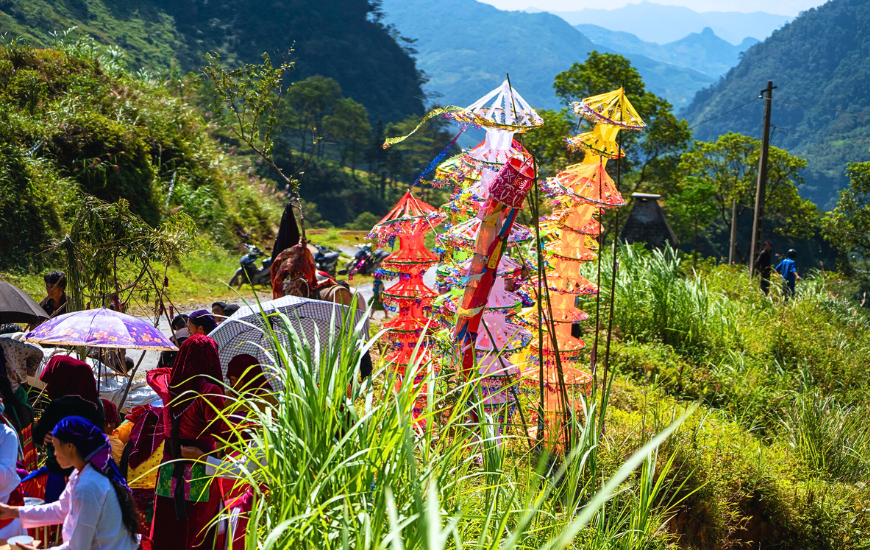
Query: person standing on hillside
[788,269]
[762,266]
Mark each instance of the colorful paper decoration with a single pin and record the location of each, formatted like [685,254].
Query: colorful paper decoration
[496,222]
[408,221]
[576,194]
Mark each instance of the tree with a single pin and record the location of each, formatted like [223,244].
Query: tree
[311,100]
[730,164]
[693,208]
[547,143]
[349,127]
[653,153]
[847,227]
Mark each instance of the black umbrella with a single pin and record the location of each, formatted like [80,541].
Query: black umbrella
[17,307]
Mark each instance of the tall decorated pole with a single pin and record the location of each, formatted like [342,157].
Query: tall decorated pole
[506,196]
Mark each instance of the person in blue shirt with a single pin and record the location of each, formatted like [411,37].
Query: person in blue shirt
[788,269]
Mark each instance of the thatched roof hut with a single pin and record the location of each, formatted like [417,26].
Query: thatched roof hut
[647,223]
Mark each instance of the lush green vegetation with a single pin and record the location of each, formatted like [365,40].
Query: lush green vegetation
[784,449]
[774,457]
[811,66]
[76,123]
[340,39]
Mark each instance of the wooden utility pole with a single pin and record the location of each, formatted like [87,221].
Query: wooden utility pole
[761,189]
[731,255]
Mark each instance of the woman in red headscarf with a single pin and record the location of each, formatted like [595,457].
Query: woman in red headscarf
[72,388]
[187,501]
[247,379]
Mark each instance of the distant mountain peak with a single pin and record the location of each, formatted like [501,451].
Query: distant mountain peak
[661,24]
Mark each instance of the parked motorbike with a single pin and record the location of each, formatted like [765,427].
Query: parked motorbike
[248,272]
[365,261]
[326,259]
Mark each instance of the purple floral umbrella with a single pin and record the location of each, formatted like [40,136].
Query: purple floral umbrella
[100,328]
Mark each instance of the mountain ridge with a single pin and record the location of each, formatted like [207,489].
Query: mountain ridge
[464,58]
[704,52]
[662,24]
[341,39]
[812,67]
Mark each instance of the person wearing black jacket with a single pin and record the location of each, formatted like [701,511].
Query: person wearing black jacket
[762,266]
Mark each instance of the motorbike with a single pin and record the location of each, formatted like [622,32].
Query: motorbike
[248,272]
[365,261]
[326,259]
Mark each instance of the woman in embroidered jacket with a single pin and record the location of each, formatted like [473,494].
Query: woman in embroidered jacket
[95,508]
[187,500]
[72,388]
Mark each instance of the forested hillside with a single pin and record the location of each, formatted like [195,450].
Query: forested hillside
[75,122]
[466,47]
[819,61]
[340,39]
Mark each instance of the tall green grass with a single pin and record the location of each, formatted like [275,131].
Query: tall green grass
[336,463]
[656,301]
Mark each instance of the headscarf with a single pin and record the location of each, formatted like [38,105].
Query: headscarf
[92,444]
[288,232]
[65,376]
[111,411]
[197,362]
[147,433]
[203,319]
[246,368]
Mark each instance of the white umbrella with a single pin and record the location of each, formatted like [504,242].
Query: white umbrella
[311,320]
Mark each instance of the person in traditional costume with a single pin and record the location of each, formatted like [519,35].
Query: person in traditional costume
[72,388]
[186,501]
[201,322]
[10,493]
[95,508]
[247,379]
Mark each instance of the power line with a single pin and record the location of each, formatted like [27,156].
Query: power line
[725,113]
[822,108]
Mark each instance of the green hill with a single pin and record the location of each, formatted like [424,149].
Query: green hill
[341,39]
[820,59]
[74,122]
[466,47]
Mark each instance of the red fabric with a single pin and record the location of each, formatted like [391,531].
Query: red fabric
[65,375]
[171,533]
[16,498]
[295,259]
[35,487]
[111,411]
[30,459]
[246,368]
[197,365]
[146,435]
[198,421]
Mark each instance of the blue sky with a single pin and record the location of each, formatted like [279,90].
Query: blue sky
[783,7]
